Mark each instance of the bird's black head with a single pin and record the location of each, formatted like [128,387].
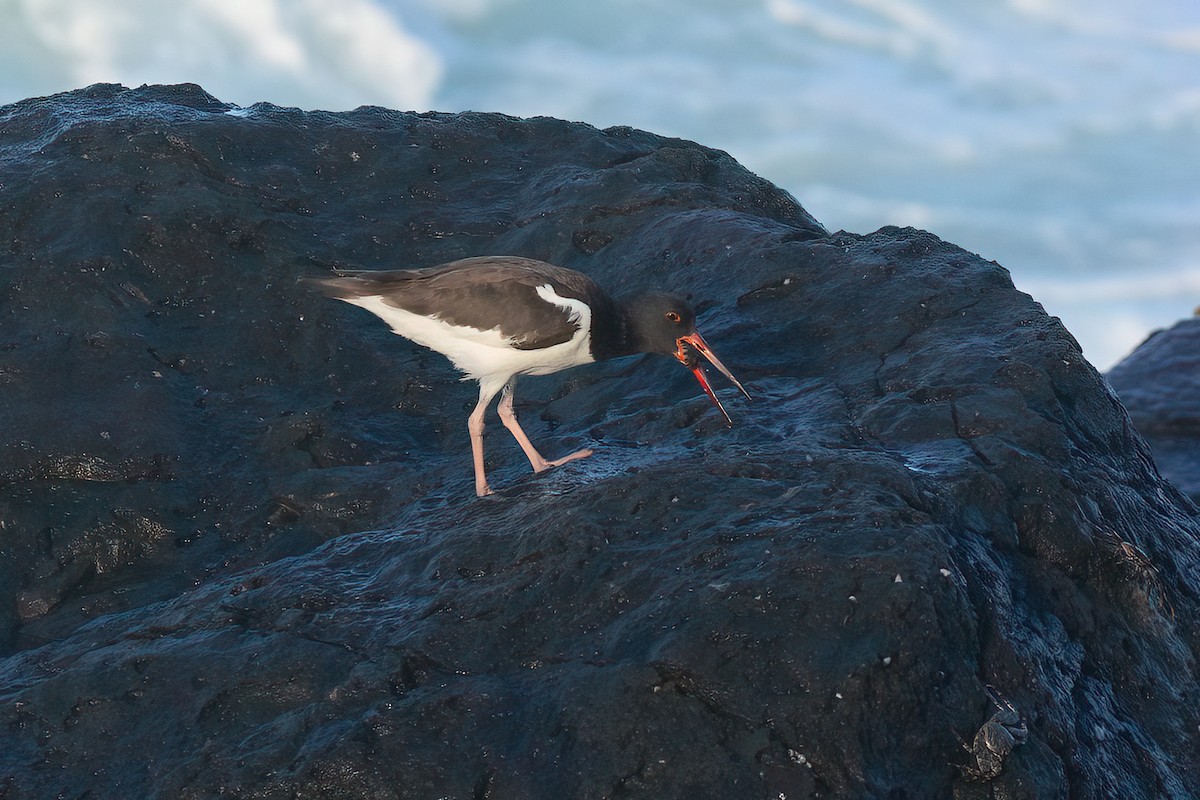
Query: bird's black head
[658,321]
[663,323]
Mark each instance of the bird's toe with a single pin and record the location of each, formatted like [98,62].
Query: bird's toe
[584,453]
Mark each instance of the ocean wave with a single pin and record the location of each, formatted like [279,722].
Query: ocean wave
[331,54]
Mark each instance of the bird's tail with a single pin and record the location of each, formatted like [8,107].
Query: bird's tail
[348,284]
[342,286]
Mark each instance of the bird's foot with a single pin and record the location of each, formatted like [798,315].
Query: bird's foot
[545,465]
[482,490]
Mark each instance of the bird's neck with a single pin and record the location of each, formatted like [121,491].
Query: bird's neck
[613,331]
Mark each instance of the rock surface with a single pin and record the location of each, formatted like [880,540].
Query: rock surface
[242,556]
[1159,383]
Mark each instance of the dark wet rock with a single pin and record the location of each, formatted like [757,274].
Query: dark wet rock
[1159,383]
[242,556]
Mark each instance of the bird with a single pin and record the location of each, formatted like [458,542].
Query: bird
[498,317]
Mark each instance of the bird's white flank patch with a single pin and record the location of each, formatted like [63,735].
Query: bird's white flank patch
[489,354]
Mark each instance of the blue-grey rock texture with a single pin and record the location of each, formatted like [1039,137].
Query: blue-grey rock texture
[1159,383]
[242,556]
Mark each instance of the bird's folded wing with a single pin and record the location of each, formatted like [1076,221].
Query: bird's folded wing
[489,293]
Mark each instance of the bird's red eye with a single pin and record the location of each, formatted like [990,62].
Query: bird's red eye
[673,316]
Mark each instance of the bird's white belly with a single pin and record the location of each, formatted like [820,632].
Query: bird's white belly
[487,354]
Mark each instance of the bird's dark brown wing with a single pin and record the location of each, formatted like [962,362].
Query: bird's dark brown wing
[486,292]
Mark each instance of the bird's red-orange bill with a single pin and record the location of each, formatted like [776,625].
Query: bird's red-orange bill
[697,343]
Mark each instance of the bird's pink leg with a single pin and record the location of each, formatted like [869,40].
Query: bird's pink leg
[475,428]
[509,418]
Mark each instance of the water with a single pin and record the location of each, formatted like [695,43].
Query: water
[1057,137]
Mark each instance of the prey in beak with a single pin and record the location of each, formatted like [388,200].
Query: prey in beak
[696,344]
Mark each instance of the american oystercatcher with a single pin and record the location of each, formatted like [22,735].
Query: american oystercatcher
[497,317]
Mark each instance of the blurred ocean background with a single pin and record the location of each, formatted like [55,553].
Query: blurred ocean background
[1057,137]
